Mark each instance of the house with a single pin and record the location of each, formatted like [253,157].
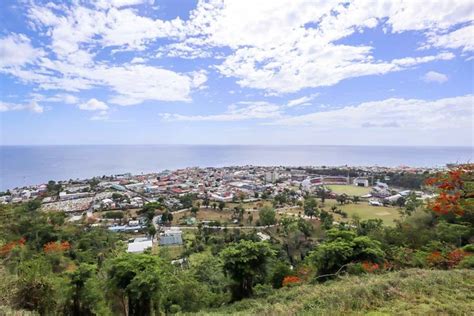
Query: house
[124,228]
[375,203]
[393,198]
[171,237]
[263,237]
[271,176]
[139,245]
[361,182]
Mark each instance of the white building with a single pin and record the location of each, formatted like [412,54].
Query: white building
[139,245]
[271,176]
[361,182]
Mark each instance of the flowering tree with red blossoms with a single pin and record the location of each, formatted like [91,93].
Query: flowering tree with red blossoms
[455,191]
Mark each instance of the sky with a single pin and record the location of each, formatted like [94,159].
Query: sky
[237,72]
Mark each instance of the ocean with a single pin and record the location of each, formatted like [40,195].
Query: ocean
[27,165]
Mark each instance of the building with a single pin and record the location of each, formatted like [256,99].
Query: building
[361,182]
[335,180]
[171,237]
[271,176]
[139,245]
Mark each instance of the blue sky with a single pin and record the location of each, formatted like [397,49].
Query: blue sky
[236,72]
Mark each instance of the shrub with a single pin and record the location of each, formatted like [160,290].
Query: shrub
[116,214]
[56,246]
[291,280]
[467,262]
[455,257]
[370,267]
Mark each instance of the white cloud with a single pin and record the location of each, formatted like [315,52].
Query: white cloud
[433,76]
[60,98]
[121,3]
[302,101]
[287,46]
[138,60]
[462,38]
[101,116]
[455,113]
[33,106]
[236,112]
[93,105]
[16,50]
[278,46]
[78,32]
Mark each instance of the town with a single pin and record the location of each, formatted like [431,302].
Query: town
[224,198]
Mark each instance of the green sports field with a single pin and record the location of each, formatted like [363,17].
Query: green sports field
[350,189]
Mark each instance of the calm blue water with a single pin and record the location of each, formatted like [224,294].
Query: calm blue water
[24,165]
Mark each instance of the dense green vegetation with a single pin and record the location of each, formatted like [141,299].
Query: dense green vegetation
[52,267]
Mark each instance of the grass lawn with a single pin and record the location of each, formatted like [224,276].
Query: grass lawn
[350,190]
[366,211]
[172,252]
[225,216]
[209,214]
[406,292]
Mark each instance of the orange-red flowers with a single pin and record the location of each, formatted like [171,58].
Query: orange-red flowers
[291,280]
[7,248]
[370,267]
[56,246]
[451,187]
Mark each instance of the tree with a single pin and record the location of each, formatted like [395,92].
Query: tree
[53,188]
[326,219]
[322,193]
[279,272]
[137,278]
[206,201]
[148,210]
[342,247]
[355,199]
[411,204]
[116,196]
[221,205]
[341,198]
[37,288]
[267,216]
[151,230]
[244,262]
[87,296]
[310,207]
[167,217]
[187,200]
[194,210]
[400,202]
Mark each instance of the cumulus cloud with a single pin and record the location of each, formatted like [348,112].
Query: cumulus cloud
[278,46]
[398,113]
[93,105]
[32,106]
[78,32]
[16,50]
[309,55]
[462,38]
[138,60]
[433,76]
